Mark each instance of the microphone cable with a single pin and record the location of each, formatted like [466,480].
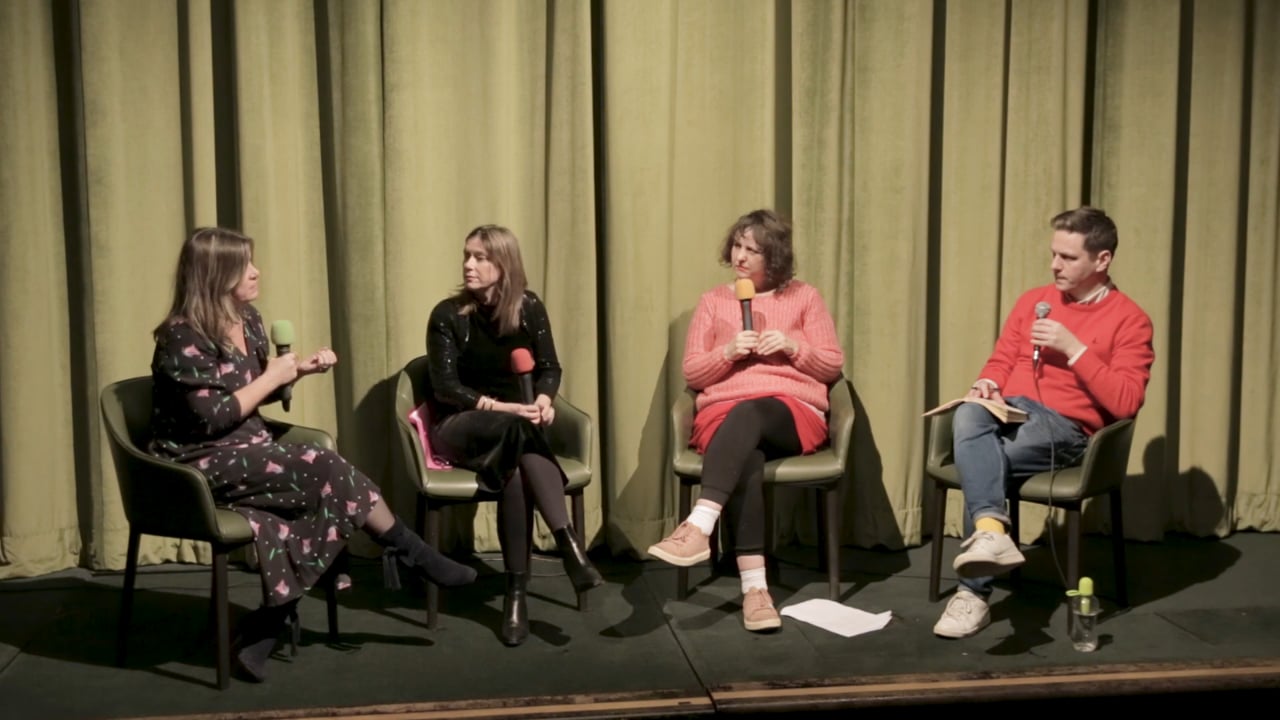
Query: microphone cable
[1053,474]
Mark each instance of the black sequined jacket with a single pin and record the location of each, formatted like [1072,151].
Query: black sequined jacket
[448,331]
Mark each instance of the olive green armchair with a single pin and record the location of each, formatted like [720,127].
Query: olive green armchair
[170,499]
[569,437]
[1100,472]
[823,471]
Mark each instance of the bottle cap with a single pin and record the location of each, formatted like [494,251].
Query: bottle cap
[1085,588]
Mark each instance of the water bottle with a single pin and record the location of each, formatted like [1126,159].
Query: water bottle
[1082,625]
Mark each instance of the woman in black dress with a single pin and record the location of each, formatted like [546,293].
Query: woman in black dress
[211,372]
[482,421]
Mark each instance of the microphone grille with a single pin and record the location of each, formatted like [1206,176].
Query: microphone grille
[282,332]
[744,288]
[521,361]
[1042,309]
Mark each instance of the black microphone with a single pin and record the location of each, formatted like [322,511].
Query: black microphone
[1042,312]
[522,367]
[282,336]
[745,290]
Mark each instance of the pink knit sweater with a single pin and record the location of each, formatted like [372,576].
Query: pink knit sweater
[798,311]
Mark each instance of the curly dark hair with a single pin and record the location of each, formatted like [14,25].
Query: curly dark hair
[772,232]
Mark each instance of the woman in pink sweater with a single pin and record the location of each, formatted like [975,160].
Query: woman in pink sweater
[762,394]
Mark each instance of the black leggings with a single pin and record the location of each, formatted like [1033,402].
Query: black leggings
[538,483]
[753,432]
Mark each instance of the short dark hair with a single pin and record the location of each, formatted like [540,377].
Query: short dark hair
[1098,230]
[772,232]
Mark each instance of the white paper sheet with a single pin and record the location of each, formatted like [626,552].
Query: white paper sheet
[839,619]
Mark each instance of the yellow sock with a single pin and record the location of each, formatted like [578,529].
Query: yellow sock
[989,524]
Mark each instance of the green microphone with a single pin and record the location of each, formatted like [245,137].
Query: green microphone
[282,337]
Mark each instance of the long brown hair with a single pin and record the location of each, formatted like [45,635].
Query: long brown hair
[211,264]
[503,249]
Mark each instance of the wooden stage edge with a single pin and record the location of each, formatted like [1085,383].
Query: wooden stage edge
[882,691]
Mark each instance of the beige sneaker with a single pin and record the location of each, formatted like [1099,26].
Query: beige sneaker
[684,547]
[758,613]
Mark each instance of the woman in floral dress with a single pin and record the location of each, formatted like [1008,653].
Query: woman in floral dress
[212,371]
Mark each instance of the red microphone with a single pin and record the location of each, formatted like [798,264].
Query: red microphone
[522,368]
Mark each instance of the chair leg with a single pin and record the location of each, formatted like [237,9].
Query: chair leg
[1117,549]
[823,560]
[222,623]
[1073,547]
[773,570]
[682,573]
[1015,530]
[830,499]
[935,554]
[580,527]
[1073,555]
[331,595]
[126,598]
[433,590]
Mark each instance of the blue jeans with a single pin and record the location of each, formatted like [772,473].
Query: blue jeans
[992,457]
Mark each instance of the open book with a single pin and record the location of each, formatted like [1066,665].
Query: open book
[1004,413]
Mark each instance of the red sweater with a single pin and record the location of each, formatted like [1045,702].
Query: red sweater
[798,311]
[1108,382]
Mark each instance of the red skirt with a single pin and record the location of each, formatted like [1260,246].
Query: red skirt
[811,427]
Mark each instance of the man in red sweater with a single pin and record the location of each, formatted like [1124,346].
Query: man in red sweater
[1075,355]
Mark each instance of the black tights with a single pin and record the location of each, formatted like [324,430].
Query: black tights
[753,432]
[538,483]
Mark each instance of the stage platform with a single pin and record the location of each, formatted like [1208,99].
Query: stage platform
[1204,623]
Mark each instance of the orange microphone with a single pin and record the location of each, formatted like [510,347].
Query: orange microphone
[745,289]
[522,368]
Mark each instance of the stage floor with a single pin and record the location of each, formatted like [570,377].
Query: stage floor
[1204,617]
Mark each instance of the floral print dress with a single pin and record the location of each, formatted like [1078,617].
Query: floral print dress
[302,501]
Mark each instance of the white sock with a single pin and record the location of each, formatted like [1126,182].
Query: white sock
[753,578]
[704,518]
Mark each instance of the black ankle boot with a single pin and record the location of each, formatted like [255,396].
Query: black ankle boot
[577,565]
[515,610]
[425,560]
[257,636]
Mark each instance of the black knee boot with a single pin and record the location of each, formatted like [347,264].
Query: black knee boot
[515,609]
[430,563]
[577,565]
[257,636]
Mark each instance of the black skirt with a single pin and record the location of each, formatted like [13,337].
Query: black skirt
[489,443]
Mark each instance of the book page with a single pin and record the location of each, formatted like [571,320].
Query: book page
[1005,413]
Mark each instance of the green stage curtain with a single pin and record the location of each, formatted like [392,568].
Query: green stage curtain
[920,147]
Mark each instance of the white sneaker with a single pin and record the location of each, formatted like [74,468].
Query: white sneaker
[965,615]
[987,554]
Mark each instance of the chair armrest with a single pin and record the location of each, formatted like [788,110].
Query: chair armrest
[299,434]
[841,417]
[163,497]
[570,434]
[1106,460]
[940,440]
[682,422]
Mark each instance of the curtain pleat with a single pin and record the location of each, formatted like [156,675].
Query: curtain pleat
[1254,487]
[39,482]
